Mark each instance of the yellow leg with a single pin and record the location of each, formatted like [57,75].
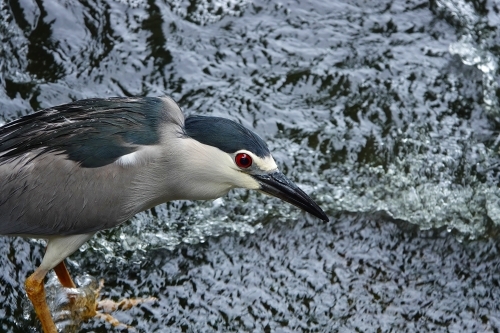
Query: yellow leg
[58,249]
[86,305]
[36,293]
[63,276]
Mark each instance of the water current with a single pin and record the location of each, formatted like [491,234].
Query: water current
[386,112]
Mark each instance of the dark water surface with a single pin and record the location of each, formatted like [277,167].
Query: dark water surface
[386,112]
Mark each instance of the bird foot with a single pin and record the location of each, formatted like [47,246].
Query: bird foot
[107,305]
[74,305]
[82,304]
[104,307]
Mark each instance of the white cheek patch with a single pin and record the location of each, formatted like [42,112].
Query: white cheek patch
[266,164]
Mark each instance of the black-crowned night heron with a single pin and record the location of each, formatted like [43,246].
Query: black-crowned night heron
[72,170]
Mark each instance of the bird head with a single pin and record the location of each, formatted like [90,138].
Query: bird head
[234,156]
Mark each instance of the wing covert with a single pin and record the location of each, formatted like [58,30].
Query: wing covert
[92,132]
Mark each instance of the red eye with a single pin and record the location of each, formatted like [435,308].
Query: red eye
[243,160]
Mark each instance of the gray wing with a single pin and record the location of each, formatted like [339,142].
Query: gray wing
[57,170]
[92,132]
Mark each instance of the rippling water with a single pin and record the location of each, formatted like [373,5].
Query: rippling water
[386,112]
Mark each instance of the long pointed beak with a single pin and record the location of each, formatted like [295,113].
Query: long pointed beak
[277,185]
